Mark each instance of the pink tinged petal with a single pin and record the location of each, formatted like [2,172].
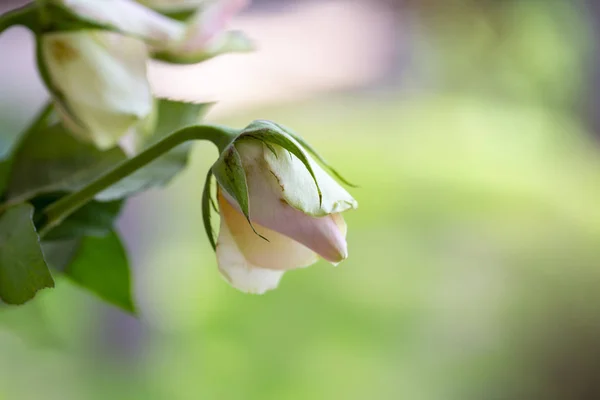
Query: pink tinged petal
[269,209]
[238,271]
[208,25]
[341,225]
[279,253]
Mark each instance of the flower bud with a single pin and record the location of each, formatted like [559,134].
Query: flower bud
[291,213]
[98,79]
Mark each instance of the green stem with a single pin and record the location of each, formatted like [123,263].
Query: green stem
[26,15]
[43,13]
[55,213]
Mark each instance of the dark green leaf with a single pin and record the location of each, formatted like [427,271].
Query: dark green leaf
[94,219]
[172,116]
[9,145]
[4,175]
[206,210]
[268,133]
[229,173]
[312,151]
[101,266]
[23,270]
[51,160]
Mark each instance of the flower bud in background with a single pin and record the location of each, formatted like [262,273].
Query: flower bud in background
[98,79]
[279,209]
[199,37]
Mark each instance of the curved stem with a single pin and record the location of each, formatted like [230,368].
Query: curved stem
[26,16]
[55,213]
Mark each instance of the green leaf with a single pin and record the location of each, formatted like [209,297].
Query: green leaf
[26,16]
[269,133]
[8,147]
[312,151]
[51,160]
[101,266]
[229,173]
[172,116]
[206,210]
[94,219]
[23,270]
[4,175]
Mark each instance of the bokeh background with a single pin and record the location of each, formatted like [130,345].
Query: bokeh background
[472,127]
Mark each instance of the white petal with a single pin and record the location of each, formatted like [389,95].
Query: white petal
[102,77]
[129,17]
[269,209]
[299,189]
[241,274]
[280,252]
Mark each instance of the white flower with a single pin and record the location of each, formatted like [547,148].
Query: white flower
[98,79]
[284,208]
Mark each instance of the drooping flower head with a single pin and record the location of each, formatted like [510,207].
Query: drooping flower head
[279,209]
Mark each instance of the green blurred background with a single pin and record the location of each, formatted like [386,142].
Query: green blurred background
[474,255]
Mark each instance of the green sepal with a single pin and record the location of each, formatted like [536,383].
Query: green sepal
[230,175]
[206,209]
[231,42]
[272,134]
[27,16]
[312,151]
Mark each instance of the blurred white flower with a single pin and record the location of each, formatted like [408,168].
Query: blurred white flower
[98,80]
